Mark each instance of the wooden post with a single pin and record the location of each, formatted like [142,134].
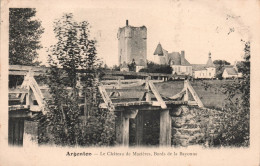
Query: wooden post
[165,128]
[148,95]
[122,129]
[186,96]
[139,128]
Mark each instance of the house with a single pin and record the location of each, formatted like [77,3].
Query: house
[176,60]
[231,72]
[207,70]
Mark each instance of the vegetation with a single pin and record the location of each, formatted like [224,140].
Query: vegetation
[132,66]
[24,39]
[220,66]
[24,36]
[156,68]
[68,123]
[237,129]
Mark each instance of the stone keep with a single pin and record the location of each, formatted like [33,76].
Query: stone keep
[132,44]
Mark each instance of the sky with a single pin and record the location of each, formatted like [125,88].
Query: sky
[197,27]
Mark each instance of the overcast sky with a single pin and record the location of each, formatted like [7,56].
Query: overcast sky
[196,27]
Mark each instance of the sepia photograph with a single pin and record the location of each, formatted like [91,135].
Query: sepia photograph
[134,75]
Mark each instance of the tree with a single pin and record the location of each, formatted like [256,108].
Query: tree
[236,130]
[220,66]
[156,68]
[24,36]
[24,39]
[73,60]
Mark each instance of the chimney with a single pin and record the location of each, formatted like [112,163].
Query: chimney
[126,22]
[183,54]
[209,55]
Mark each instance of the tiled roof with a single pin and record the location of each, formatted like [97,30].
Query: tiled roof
[231,71]
[158,51]
[210,63]
[197,67]
[175,58]
[178,59]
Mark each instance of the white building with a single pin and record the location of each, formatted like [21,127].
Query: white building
[231,73]
[204,71]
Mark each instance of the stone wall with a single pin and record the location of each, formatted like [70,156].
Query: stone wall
[196,126]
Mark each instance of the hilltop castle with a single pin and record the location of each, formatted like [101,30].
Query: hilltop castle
[132,46]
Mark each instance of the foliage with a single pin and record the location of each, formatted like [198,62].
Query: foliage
[220,66]
[236,131]
[156,68]
[24,35]
[132,66]
[73,61]
[115,68]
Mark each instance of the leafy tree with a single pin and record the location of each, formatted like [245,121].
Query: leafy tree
[24,39]
[220,66]
[73,60]
[24,36]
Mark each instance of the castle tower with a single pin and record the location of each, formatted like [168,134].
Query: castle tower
[132,44]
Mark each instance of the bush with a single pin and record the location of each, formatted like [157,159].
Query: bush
[156,68]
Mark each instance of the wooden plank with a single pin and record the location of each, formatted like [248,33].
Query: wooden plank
[27,68]
[178,95]
[17,90]
[124,85]
[157,95]
[194,94]
[18,107]
[176,102]
[20,114]
[186,96]
[106,98]
[122,81]
[156,103]
[139,128]
[36,91]
[148,93]
[165,128]
[24,73]
[126,90]
[125,104]
[192,103]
